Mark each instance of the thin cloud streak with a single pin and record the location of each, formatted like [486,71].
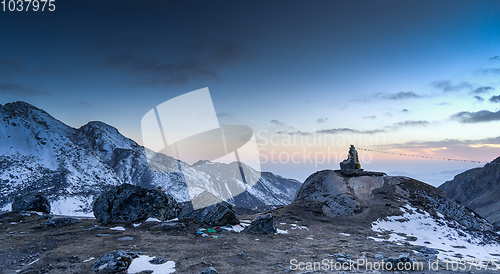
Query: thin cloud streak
[479,98]
[19,90]
[394,126]
[321,120]
[409,124]
[481,90]
[11,65]
[348,130]
[277,123]
[481,116]
[444,143]
[495,99]
[402,95]
[448,86]
[158,72]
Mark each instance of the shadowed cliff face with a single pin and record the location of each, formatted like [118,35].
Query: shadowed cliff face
[479,190]
[381,196]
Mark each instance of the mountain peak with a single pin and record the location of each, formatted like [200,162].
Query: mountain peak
[22,113]
[20,108]
[102,138]
[478,189]
[22,104]
[93,126]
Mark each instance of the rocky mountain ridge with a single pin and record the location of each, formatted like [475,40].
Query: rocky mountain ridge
[71,166]
[479,190]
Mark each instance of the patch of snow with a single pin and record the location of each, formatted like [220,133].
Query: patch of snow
[235,228]
[34,261]
[309,238]
[118,228]
[345,234]
[7,207]
[376,239]
[172,220]
[393,237]
[142,264]
[89,259]
[434,235]
[408,207]
[280,231]
[153,220]
[295,226]
[136,225]
[35,212]
[69,206]
[245,223]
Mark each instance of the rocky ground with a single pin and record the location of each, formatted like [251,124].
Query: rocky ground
[29,245]
[336,223]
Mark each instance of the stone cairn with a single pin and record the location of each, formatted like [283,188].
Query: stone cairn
[351,167]
[352,161]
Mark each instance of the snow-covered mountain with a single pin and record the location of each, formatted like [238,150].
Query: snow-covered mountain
[71,166]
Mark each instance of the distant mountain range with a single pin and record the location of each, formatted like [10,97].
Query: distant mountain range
[479,190]
[71,166]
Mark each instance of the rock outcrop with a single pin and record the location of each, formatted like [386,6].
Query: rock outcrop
[380,196]
[60,222]
[114,262]
[217,213]
[479,190]
[209,270]
[35,202]
[128,203]
[263,224]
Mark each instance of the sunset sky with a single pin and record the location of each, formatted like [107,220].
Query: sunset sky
[405,77]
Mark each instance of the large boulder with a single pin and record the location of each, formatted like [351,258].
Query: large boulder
[35,202]
[114,262]
[215,213]
[330,189]
[263,224]
[128,203]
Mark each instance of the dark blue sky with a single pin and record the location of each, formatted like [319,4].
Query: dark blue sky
[416,71]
